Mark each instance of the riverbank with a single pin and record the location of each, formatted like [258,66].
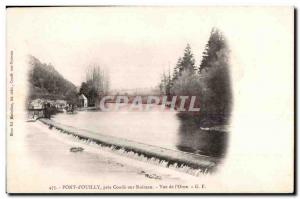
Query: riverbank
[45,154]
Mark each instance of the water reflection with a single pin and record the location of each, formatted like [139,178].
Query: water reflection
[194,140]
[166,129]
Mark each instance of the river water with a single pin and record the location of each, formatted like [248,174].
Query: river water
[159,128]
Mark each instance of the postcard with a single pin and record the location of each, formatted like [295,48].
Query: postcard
[150,99]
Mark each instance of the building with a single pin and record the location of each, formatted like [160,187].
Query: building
[36,104]
[83,101]
[60,104]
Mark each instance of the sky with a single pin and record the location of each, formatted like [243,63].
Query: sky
[135,45]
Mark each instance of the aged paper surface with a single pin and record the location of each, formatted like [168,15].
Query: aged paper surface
[150,99]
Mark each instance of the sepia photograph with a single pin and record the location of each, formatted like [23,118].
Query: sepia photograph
[150,99]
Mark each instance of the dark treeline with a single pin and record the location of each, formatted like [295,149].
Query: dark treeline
[210,81]
[46,83]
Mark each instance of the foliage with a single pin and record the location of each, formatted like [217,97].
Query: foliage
[211,84]
[165,84]
[188,62]
[216,47]
[45,82]
[185,65]
[96,85]
[177,70]
[214,72]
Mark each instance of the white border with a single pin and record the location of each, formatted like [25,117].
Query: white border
[5,3]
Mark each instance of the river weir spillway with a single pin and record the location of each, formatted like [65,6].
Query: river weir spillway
[194,164]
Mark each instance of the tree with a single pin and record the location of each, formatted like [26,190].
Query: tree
[45,82]
[166,83]
[214,76]
[211,84]
[96,85]
[177,69]
[188,61]
[187,85]
[210,56]
[84,89]
[184,65]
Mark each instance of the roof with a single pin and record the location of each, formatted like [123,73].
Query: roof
[82,96]
[61,101]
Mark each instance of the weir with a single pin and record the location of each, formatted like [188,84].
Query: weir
[170,158]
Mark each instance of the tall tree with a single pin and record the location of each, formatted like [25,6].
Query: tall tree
[166,83]
[177,69]
[215,44]
[84,89]
[162,84]
[188,61]
[96,85]
[215,76]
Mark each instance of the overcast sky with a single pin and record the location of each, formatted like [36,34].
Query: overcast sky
[134,44]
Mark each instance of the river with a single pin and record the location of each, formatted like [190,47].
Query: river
[159,128]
